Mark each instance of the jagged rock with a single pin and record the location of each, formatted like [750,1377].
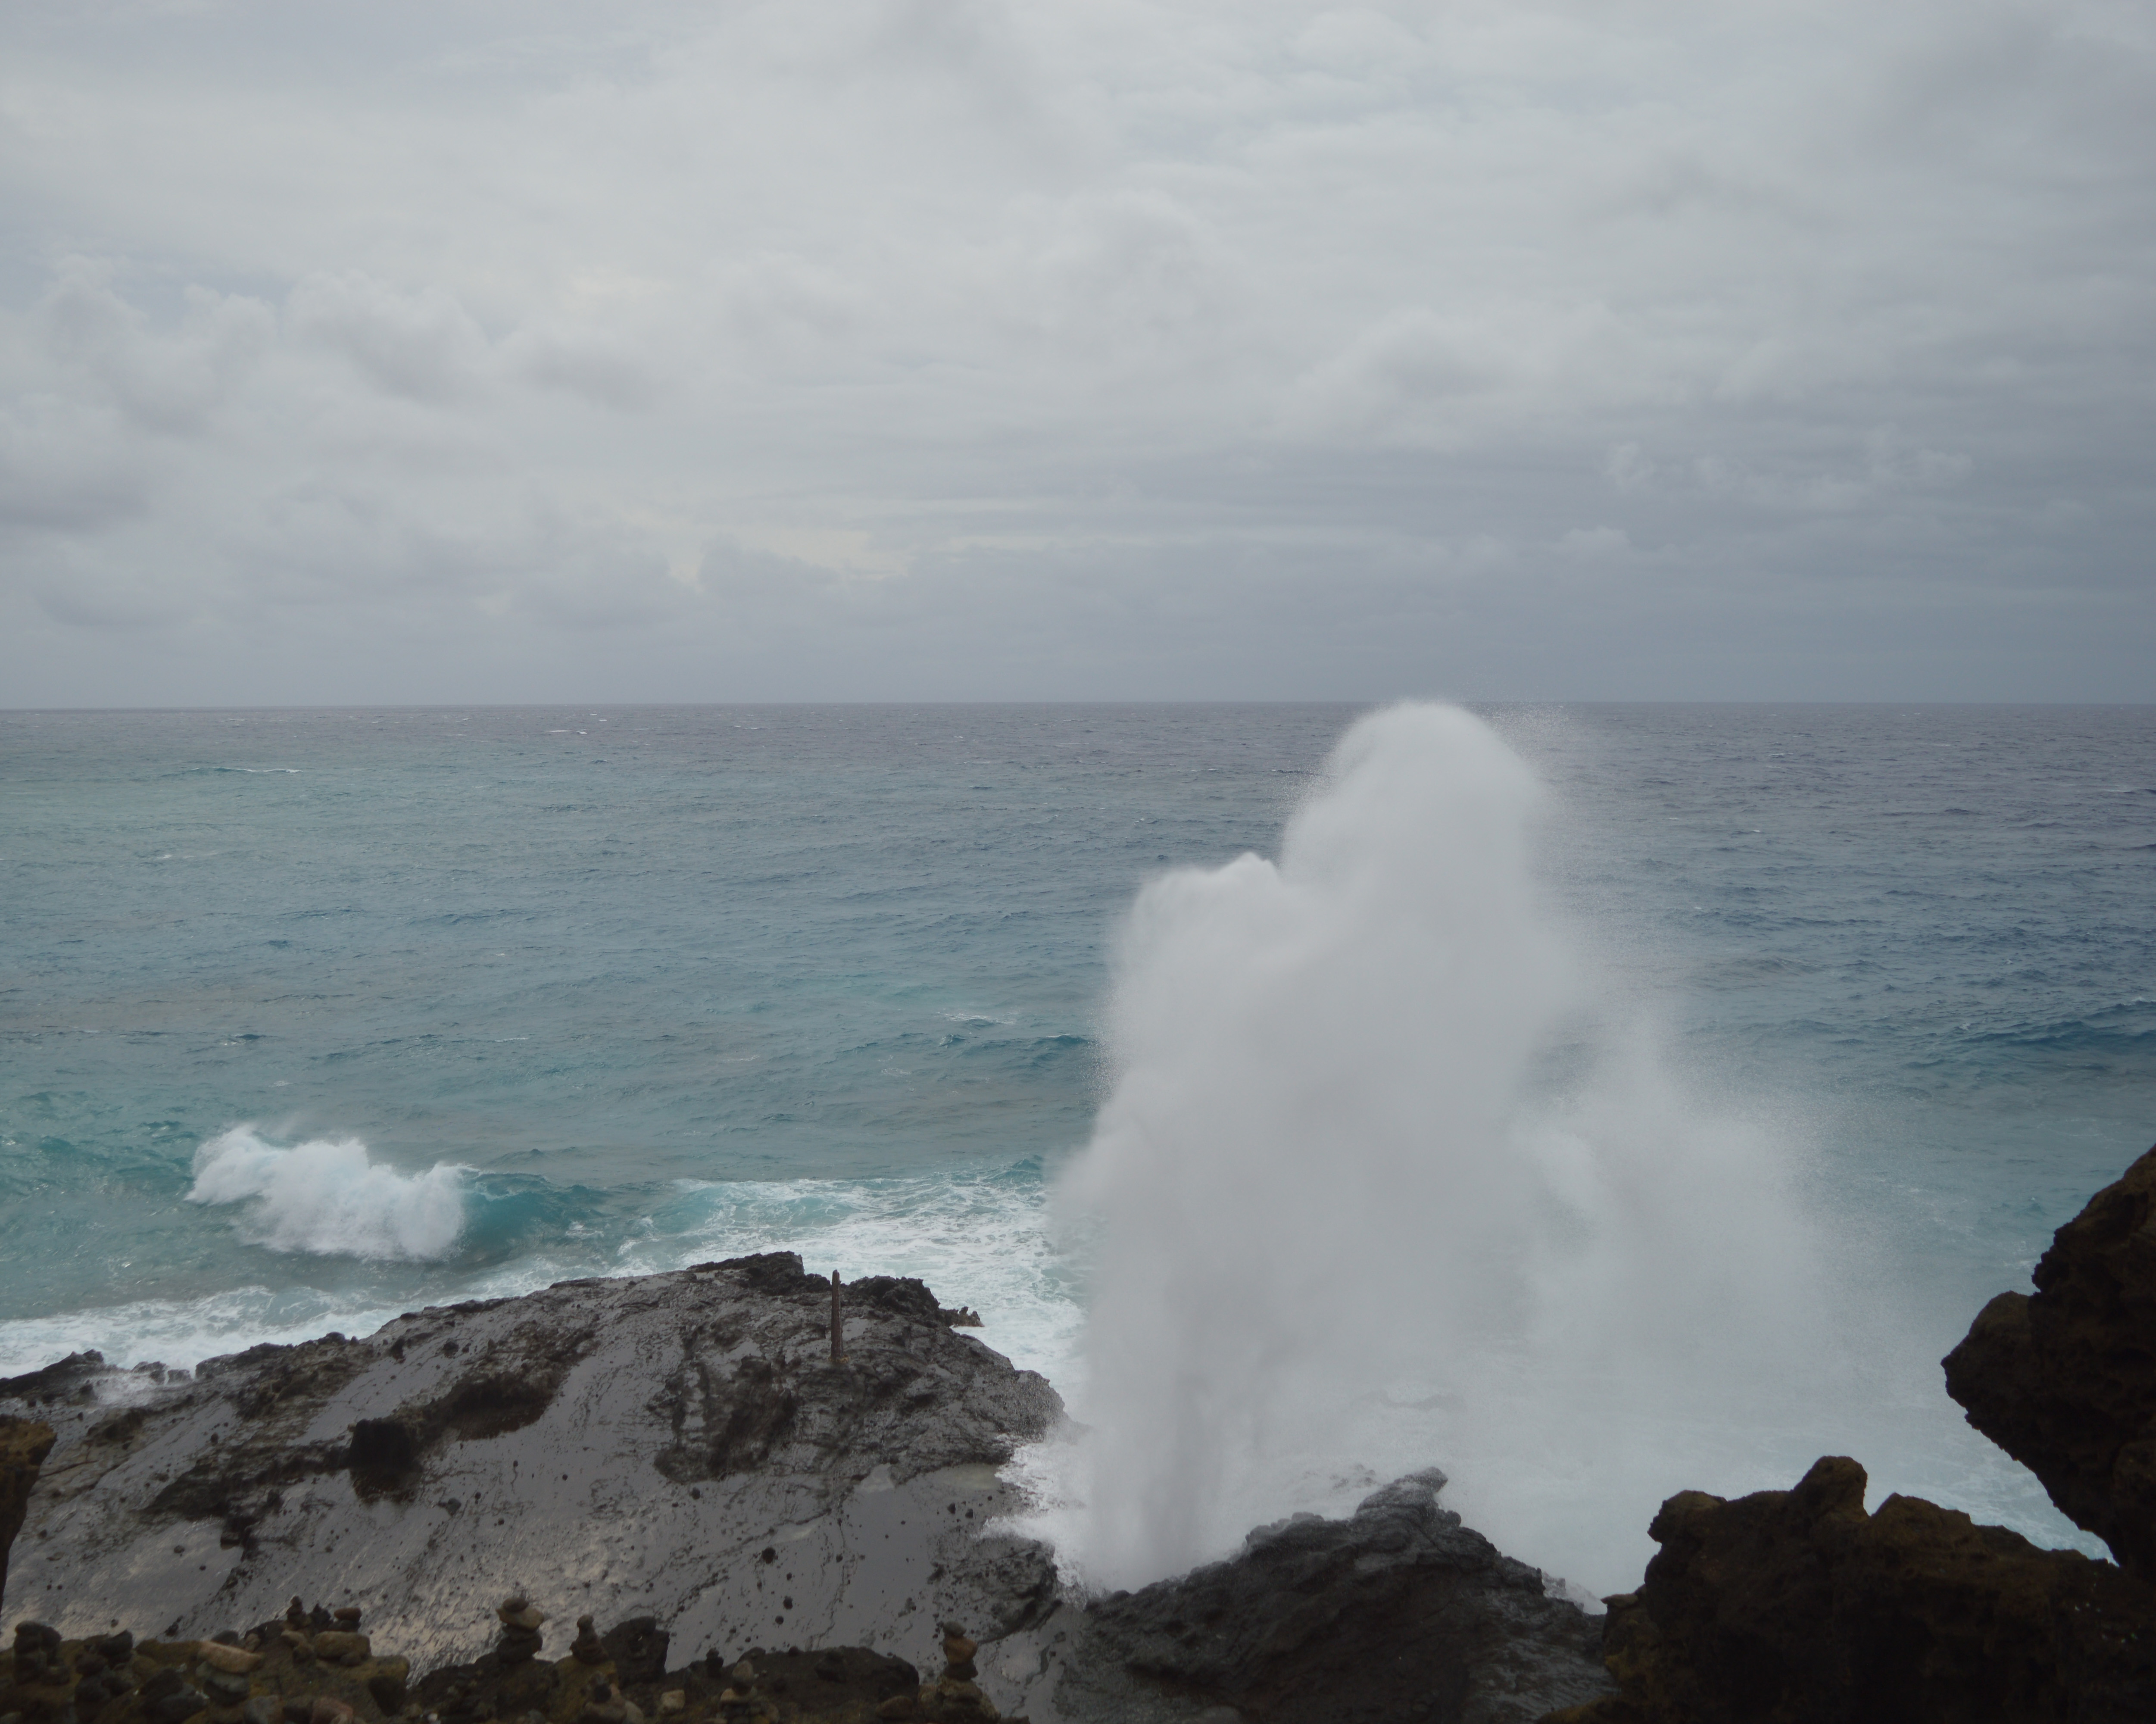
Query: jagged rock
[61,1384]
[2065,1380]
[637,1651]
[24,1442]
[1795,1607]
[631,1445]
[1397,1613]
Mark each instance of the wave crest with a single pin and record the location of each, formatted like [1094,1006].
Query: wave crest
[327,1197]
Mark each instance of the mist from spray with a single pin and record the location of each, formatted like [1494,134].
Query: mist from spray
[1381,1181]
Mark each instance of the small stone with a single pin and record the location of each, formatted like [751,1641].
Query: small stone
[338,1646]
[262,1709]
[387,1684]
[743,1673]
[295,1614]
[181,1703]
[347,1616]
[675,1700]
[300,1644]
[520,1613]
[327,1710]
[958,1653]
[225,1688]
[234,1659]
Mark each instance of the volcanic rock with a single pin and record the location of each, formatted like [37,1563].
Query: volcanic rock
[674,1446]
[1795,1607]
[1398,1613]
[24,1442]
[2064,1380]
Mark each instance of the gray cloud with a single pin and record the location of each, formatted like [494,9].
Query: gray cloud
[908,348]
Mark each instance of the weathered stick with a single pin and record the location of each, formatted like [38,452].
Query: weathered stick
[838,1332]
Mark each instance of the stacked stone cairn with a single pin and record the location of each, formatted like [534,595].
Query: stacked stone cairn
[224,1680]
[520,1639]
[314,1666]
[955,1697]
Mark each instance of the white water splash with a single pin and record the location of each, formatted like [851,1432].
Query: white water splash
[1376,1187]
[326,1197]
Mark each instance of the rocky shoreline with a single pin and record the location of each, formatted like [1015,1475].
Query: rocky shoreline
[692,1459]
[708,1462]
[1787,1607]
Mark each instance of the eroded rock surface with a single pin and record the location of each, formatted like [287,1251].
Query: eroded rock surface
[1796,1607]
[2064,1380]
[675,1446]
[24,1442]
[1398,1613]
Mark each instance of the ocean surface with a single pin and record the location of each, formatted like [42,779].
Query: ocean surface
[310,1017]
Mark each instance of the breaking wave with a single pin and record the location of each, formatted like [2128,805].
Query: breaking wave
[326,1197]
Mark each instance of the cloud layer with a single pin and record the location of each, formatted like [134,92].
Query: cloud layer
[946,349]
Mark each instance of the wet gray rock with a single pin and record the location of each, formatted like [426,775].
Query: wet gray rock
[677,1456]
[677,1447]
[1398,1613]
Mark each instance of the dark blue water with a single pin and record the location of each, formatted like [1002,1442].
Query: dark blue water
[673,982]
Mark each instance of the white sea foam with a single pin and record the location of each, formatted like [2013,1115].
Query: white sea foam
[1382,1183]
[183,1332]
[978,1241]
[325,1196]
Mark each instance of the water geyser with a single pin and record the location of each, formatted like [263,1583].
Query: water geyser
[1383,1180]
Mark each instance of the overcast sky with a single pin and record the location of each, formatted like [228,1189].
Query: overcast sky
[517,350]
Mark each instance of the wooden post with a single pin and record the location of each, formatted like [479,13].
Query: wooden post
[837,1331]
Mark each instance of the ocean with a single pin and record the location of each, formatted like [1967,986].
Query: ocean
[310,1018]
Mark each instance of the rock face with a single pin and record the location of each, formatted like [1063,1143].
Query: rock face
[678,1447]
[1795,1607]
[24,1442]
[677,1454]
[1397,1613]
[2065,1380]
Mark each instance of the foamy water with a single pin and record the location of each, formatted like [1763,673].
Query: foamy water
[1773,1014]
[329,1197]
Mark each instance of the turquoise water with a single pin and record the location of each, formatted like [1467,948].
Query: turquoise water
[464,1001]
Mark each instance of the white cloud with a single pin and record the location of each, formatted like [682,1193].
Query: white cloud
[1154,347]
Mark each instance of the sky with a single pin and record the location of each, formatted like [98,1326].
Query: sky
[508,351]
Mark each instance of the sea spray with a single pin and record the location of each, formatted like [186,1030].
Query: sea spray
[326,1196]
[1377,1185]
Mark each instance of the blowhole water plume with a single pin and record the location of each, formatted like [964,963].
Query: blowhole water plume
[1377,1185]
[327,1196]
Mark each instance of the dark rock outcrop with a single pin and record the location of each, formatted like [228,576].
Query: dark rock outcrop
[678,1454]
[1795,1607]
[677,1447]
[2064,1380]
[24,1442]
[1398,1613]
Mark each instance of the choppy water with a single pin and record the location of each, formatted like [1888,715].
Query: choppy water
[467,1002]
